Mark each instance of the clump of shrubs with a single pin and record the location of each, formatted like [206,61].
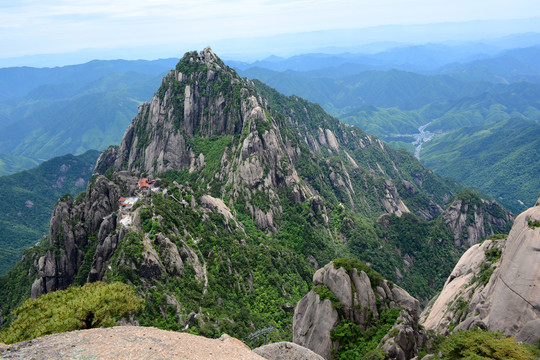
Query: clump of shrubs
[78,307]
[480,344]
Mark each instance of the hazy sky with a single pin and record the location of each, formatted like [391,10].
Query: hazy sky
[57,26]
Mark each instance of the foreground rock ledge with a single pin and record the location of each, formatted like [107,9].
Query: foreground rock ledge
[128,342]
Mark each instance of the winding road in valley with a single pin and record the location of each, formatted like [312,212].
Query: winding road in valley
[420,138]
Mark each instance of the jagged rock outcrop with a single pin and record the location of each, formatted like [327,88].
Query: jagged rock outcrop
[70,227]
[202,98]
[494,285]
[472,219]
[286,351]
[314,318]
[359,300]
[428,210]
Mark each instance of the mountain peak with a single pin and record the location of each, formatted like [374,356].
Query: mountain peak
[208,55]
[200,98]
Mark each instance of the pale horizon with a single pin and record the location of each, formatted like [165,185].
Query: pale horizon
[242,29]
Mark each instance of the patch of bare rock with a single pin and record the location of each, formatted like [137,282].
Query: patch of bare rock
[128,342]
[286,351]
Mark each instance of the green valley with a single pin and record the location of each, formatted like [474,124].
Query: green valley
[500,158]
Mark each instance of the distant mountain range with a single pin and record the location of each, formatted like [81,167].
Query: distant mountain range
[50,112]
[485,93]
[480,61]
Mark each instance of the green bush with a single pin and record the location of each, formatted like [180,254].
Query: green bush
[493,255]
[357,344]
[480,344]
[92,305]
[533,223]
[325,293]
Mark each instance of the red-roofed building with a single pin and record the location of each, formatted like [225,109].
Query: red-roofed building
[143,184]
[122,199]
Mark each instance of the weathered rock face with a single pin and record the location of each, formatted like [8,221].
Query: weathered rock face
[70,227]
[312,322]
[471,219]
[187,104]
[361,301]
[286,351]
[200,99]
[509,301]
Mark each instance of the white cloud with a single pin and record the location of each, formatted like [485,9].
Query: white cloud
[38,26]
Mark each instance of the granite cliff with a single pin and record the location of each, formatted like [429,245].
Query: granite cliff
[472,219]
[495,285]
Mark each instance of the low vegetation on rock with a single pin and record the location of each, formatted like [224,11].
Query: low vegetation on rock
[480,344]
[78,307]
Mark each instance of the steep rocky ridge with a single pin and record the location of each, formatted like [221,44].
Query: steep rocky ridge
[202,98]
[494,285]
[253,191]
[472,219]
[359,300]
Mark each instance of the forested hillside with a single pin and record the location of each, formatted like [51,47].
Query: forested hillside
[498,158]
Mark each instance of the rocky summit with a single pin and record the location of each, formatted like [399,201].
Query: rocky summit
[223,199]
